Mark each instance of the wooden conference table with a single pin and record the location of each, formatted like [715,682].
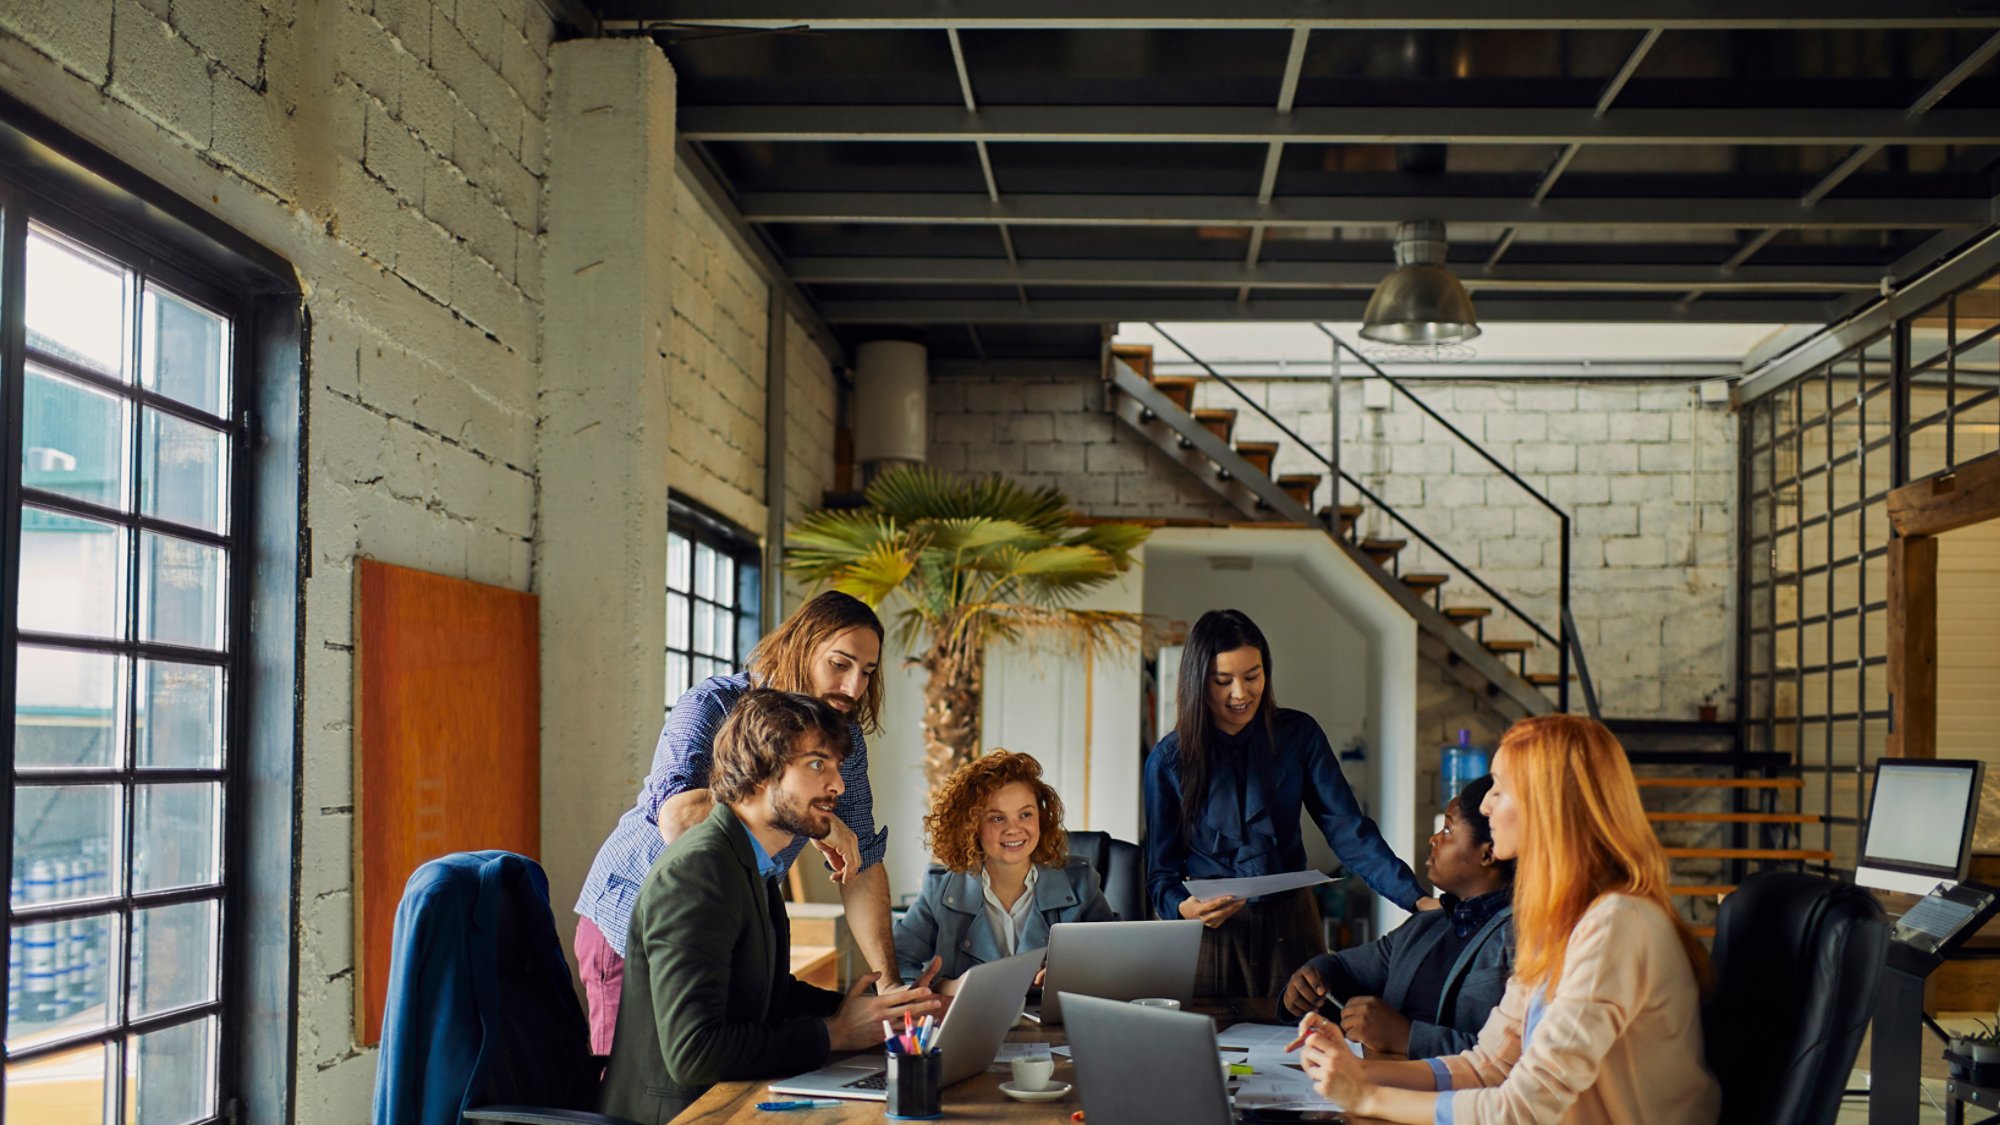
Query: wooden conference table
[976,1100]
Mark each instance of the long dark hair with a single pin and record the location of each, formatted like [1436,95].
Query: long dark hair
[1214,633]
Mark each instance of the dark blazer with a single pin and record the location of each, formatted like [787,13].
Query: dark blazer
[708,994]
[948,920]
[1472,986]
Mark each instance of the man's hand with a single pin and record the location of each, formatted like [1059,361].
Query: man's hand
[1428,903]
[1212,912]
[683,811]
[1304,991]
[842,851]
[857,1023]
[1371,1022]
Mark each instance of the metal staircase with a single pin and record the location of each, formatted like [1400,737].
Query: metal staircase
[1456,636]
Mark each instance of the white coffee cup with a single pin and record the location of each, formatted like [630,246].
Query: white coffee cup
[1158,1002]
[1032,1072]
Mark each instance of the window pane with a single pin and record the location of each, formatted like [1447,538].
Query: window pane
[60,979]
[185,473]
[725,579]
[173,958]
[65,1089]
[174,836]
[72,575]
[185,353]
[69,709]
[77,307]
[725,636]
[704,570]
[170,1075]
[678,552]
[76,440]
[704,627]
[677,621]
[65,843]
[180,591]
[677,677]
[180,716]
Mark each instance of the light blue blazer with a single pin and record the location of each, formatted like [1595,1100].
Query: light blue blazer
[948,920]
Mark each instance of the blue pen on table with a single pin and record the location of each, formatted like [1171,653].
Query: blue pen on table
[808,1103]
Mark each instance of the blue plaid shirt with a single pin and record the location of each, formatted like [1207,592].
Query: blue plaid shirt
[681,762]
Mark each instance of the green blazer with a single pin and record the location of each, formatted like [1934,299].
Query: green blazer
[708,994]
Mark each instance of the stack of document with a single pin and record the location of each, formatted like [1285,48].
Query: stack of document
[1276,1079]
[1256,886]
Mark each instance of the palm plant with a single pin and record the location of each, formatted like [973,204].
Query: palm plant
[976,561]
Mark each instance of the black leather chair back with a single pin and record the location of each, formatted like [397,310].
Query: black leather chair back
[1796,960]
[1120,868]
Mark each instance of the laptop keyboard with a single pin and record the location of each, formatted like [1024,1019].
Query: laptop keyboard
[876,1081]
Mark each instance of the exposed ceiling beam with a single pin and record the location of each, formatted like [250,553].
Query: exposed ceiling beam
[1228,308]
[1448,15]
[1345,211]
[1336,125]
[1526,277]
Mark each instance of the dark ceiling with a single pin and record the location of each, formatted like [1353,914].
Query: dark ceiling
[1004,176]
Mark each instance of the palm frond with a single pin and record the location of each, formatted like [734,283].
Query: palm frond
[1118,540]
[920,492]
[972,533]
[875,575]
[825,541]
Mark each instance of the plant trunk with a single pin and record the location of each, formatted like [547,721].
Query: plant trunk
[951,709]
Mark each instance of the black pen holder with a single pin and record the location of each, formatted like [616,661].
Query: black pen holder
[914,1083]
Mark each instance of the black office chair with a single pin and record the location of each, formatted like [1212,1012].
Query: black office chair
[1120,868]
[1796,959]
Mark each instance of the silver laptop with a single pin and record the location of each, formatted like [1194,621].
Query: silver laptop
[988,1001]
[1145,1066]
[1120,961]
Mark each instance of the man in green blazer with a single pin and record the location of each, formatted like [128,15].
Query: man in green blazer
[708,994]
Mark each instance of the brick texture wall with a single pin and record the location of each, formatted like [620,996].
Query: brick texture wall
[394,151]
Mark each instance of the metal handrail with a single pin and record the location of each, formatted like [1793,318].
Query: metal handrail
[1564,639]
[1363,490]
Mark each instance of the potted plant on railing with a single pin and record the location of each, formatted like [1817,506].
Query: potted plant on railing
[1982,1047]
[975,561]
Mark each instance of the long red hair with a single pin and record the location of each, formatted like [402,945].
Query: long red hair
[1583,834]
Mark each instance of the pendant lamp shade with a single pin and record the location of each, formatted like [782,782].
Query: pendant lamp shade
[1421,301]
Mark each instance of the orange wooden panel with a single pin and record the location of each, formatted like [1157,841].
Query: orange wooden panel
[447,743]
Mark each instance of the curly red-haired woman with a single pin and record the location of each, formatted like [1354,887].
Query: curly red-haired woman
[1003,874]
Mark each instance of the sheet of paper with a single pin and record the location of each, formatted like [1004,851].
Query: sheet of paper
[1011,1051]
[1256,886]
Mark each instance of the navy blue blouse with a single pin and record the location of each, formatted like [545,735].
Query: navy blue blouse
[1257,783]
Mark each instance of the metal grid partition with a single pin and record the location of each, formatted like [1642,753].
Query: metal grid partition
[1820,456]
[125,586]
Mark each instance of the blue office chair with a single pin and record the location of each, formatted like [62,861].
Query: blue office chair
[482,1023]
[1120,869]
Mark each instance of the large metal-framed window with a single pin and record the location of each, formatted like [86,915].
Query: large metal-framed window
[125,587]
[1820,456]
[713,597]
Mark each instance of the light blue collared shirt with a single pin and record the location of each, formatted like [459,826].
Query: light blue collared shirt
[1443,1114]
[766,866]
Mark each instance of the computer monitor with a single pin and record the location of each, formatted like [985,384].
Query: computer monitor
[1920,821]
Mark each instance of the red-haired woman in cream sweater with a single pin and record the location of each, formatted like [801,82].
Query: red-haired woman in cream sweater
[1601,1022]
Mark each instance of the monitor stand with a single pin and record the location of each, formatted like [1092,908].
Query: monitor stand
[1896,1054]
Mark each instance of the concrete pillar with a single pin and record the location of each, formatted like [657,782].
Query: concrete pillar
[601,445]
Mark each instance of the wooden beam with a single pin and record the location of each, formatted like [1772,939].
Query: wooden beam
[1949,500]
[1912,647]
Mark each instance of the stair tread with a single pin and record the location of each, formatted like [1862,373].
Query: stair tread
[1300,478]
[1546,679]
[1175,381]
[1467,612]
[1251,446]
[1346,511]
[1214,414]
[1425,580]
[1747,853]
[1721,783]
[1384,544]
[1508,645]
[1731,818]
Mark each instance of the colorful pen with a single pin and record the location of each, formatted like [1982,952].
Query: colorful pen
[809,1103]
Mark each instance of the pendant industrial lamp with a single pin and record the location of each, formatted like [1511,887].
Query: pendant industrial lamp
[1420,302]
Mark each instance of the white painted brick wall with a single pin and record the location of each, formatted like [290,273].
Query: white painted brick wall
[1647,476]
[1052,430]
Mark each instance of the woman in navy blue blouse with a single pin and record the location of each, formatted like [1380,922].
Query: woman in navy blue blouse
[1223,796]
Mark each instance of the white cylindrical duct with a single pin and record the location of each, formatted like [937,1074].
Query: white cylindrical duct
[891,402]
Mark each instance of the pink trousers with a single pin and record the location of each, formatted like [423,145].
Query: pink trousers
[603,975]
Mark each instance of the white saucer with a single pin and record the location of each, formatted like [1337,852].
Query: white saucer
[1045,1094]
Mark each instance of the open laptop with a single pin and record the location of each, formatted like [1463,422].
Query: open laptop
[988,1001]
[1155,1066]
[1119,961]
